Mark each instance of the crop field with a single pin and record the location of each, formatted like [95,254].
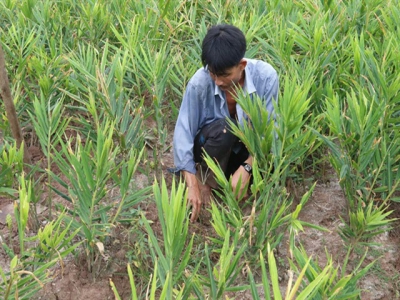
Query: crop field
[89,95]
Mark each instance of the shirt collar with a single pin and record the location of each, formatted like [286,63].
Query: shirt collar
[248,81]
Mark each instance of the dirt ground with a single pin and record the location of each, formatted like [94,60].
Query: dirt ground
[325,208]
[72,280]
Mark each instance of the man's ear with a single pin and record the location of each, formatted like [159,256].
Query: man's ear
[243,63]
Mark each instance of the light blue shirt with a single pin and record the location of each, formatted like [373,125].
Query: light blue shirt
[204,102]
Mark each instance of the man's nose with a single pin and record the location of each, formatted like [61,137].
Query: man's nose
[218,81]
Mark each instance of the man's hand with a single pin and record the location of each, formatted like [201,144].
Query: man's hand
[194,200]
[194,195]
[243,176]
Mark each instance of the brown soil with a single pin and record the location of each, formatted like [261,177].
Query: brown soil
[326,206]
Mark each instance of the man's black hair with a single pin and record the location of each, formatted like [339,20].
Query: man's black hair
[223,48]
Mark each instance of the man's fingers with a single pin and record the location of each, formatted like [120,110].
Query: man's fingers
[195,213]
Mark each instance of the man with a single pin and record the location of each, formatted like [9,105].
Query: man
[208,101]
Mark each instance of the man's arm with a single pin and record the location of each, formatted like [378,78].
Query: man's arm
[186,127]
[268,90]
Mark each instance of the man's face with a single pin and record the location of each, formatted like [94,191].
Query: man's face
[232,77]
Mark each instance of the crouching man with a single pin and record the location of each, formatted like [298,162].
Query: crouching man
[209,100]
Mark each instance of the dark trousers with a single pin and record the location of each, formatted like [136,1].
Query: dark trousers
[220,143]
